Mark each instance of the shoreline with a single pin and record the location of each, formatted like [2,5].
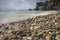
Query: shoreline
[24,17]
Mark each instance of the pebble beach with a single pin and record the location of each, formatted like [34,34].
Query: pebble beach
[39,27]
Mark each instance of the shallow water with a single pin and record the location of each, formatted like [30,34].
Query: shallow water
[21,14]
[8,14]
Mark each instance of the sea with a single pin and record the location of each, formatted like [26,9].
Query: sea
[8,15]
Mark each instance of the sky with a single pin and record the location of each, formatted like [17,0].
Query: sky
[18,4]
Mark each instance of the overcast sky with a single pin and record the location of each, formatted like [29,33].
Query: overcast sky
[17,4]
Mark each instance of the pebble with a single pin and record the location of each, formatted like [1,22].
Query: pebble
[45,27]
[48,37]
[58,37]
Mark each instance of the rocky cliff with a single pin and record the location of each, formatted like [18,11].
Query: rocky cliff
[53,5]
[48,5]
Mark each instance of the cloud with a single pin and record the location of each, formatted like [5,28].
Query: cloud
[17,4]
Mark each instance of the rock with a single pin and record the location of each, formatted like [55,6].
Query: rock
[29,38]
[30,9]
[11,36]
[1,37]
[6,28]
[33,35]
[40,6]
[48,5]
[58,37]
[48,37]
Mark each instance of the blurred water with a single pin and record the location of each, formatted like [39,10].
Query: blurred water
[11,14]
